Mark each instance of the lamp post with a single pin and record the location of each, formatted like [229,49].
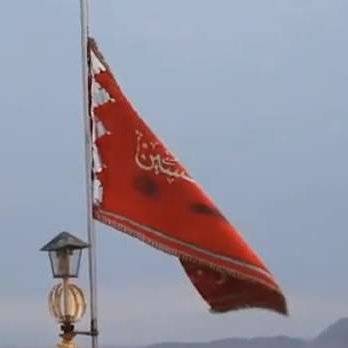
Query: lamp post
[67,302]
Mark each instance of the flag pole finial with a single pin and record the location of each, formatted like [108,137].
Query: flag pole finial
[84,7]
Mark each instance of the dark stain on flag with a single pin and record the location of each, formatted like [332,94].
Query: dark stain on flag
[146,186]
[204,209]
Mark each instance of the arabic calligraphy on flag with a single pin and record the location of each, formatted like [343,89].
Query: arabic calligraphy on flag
[152,156]
[140,188]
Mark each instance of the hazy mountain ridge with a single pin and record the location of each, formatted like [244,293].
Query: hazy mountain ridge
[335,336]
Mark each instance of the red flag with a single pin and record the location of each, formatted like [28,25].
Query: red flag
[140,188]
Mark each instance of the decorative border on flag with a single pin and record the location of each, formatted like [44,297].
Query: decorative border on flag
[220,263]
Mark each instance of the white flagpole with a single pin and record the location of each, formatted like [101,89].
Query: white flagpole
[89,163]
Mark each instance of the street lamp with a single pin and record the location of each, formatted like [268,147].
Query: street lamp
[67,302]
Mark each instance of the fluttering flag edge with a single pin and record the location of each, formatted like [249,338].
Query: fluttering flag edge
[279,306]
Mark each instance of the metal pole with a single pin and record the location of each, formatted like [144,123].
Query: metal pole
[89,163]
[66,297]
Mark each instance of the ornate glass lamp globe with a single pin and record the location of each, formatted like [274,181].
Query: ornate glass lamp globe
[65,252]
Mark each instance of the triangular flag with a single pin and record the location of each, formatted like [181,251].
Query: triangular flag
[140,188]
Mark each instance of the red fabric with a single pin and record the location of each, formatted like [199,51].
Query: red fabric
[148,194]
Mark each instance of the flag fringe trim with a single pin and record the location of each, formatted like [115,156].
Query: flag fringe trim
[110,221]
[193,247]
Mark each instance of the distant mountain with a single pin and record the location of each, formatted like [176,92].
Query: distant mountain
[260,342]
[335,336]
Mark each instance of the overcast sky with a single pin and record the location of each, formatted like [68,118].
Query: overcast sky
[250,94]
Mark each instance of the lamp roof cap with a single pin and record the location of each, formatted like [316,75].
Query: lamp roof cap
[64,240]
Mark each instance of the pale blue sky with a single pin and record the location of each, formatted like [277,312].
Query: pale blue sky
[251,95]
